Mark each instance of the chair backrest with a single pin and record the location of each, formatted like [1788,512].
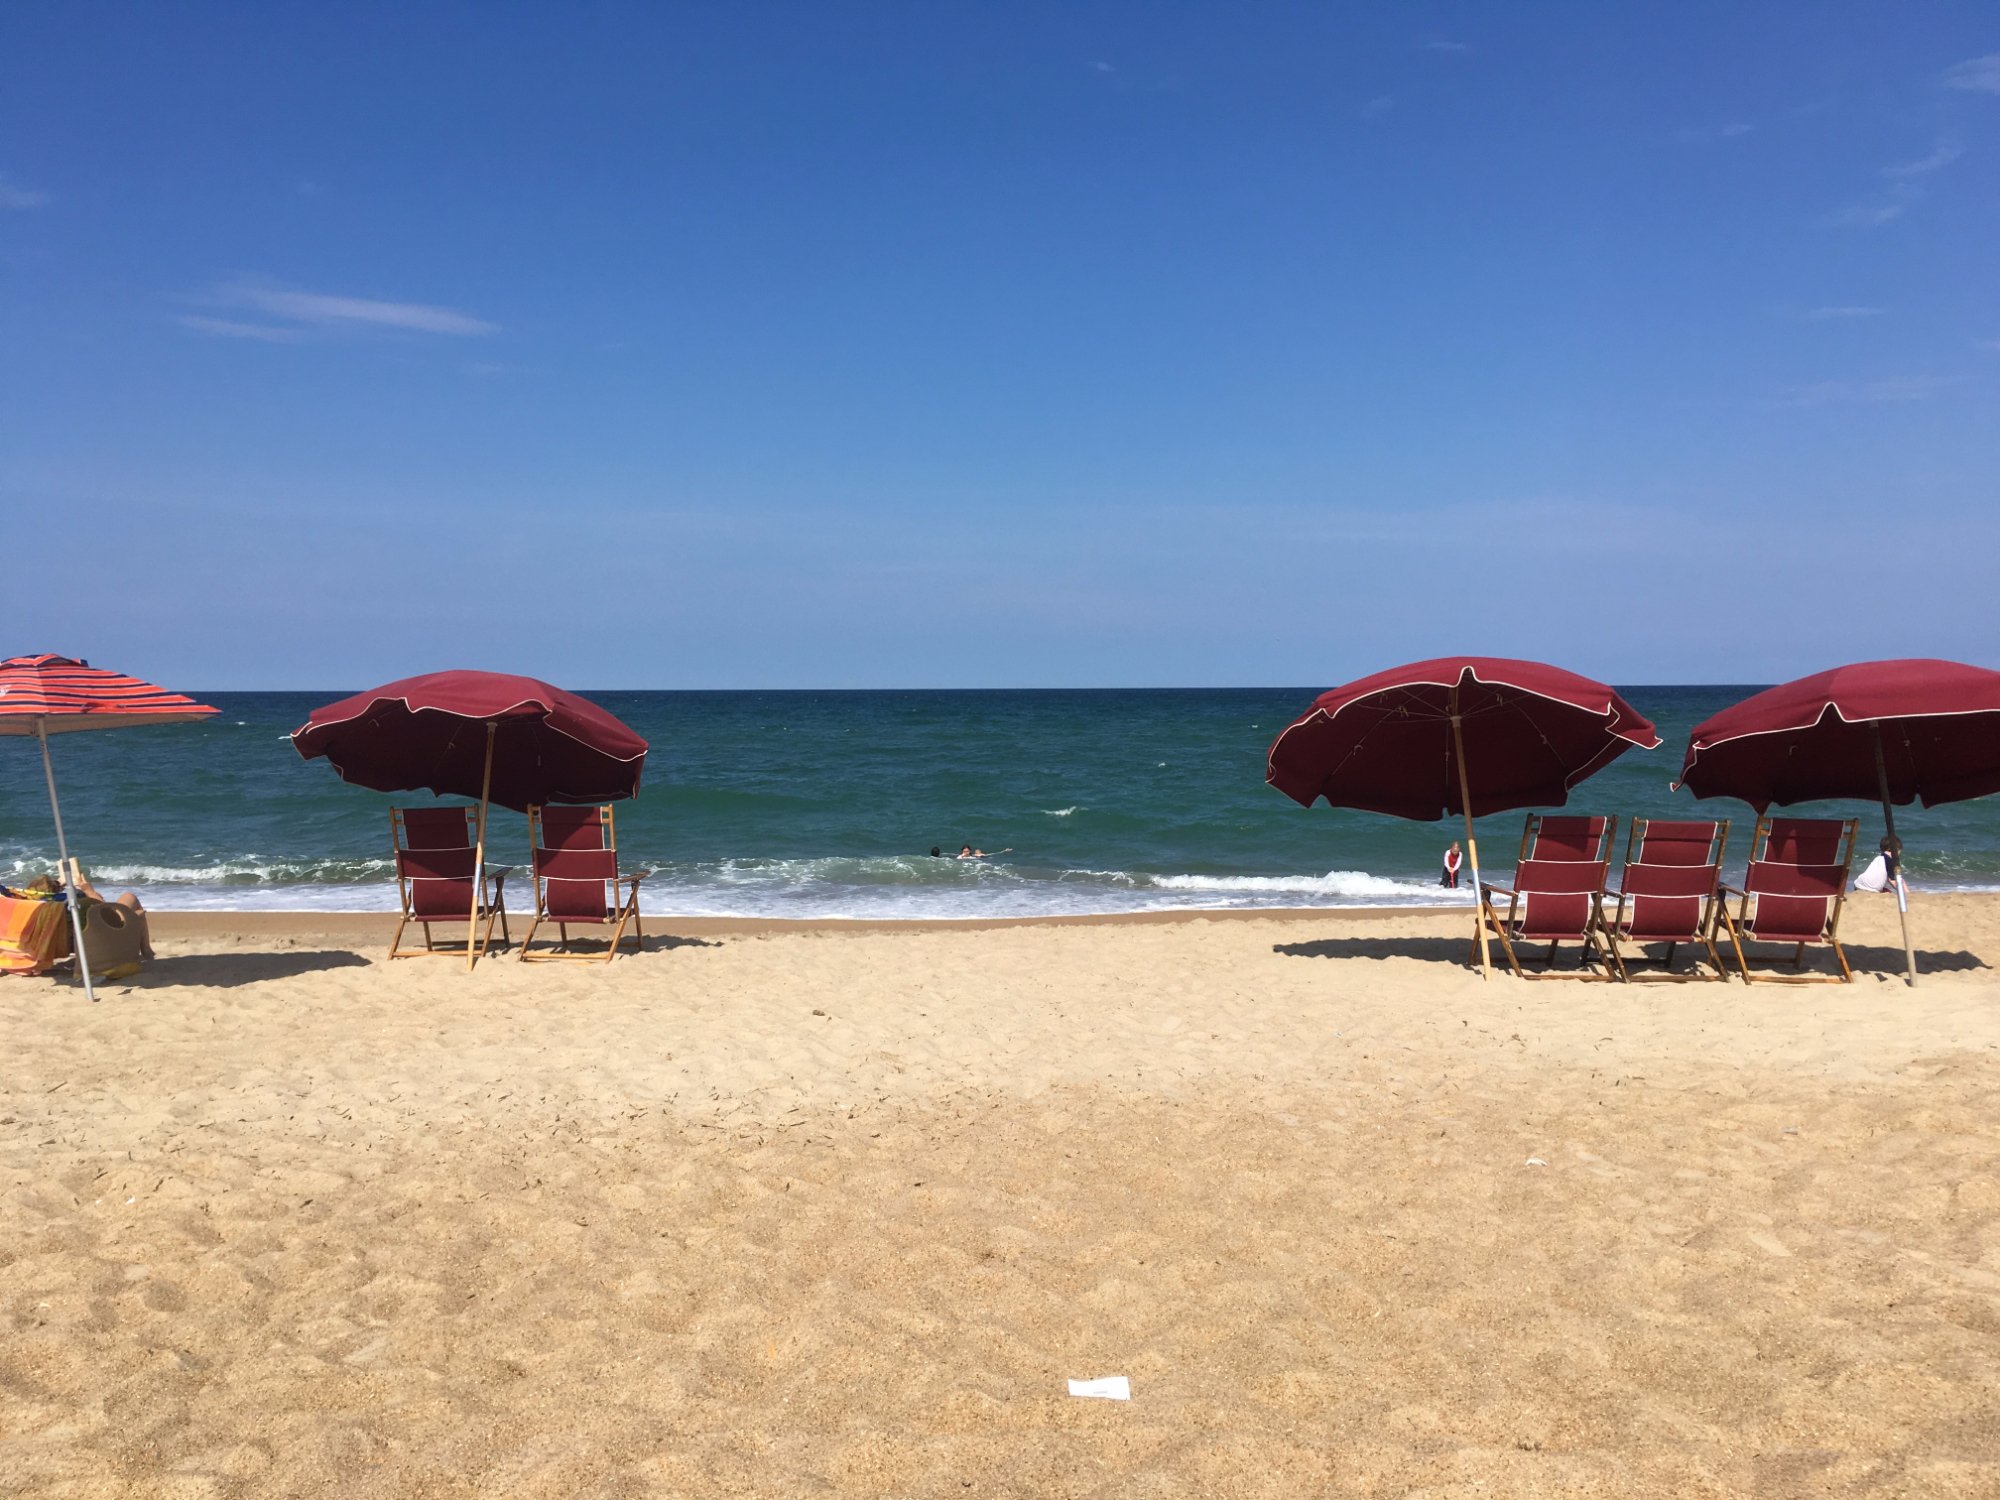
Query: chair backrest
[438,884]
[1672,870]
[432,827]
[1798,875]
[1805,841]
[1657,841]
[576,860]
[1559,836]
[573,828]
[1558,896]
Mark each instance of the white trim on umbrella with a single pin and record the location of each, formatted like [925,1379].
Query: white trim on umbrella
[493,718]
[1696,748]
[1590,769]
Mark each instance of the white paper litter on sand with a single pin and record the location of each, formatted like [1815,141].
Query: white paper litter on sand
[1105,1388]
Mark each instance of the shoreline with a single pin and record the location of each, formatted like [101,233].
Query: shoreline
[371,925]
[375,926]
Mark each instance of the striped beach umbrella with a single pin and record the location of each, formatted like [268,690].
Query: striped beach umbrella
[46,694]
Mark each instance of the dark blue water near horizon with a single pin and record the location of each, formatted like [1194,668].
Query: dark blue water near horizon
[824,804]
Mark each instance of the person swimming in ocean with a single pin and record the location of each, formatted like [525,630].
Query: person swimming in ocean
[966,851]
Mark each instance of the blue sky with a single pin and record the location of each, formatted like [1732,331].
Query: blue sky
[914,345]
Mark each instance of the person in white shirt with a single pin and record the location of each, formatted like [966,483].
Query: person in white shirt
[1882,873]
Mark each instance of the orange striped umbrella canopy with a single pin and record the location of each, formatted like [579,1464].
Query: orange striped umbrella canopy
[55,695]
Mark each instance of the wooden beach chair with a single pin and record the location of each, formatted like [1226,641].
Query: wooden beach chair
[1670,891]
[578,882]
[436,873]
[1792,893]
[1557,895]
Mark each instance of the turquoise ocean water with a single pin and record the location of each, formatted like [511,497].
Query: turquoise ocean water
[825,804]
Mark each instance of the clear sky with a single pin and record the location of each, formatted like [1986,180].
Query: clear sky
[830,345]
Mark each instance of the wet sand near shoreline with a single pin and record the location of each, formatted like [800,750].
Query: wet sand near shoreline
[783,1209]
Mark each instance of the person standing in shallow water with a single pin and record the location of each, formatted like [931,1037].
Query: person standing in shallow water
[1452,858]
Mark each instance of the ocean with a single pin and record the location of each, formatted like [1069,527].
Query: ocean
[826,804]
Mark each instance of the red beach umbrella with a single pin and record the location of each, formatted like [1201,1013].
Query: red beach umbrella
[46,694]
[512,740]
[1469,735]
[1892,731]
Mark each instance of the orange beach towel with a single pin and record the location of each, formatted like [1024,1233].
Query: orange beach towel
[33,934]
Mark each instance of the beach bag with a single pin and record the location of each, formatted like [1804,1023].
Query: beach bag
[34,932]
[114,937]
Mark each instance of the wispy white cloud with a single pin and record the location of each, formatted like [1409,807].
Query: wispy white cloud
[1893,389]
[1701,135]
[1873,212]
[1979,75]
[13,195]
[299,310]
[1942,155]
[318,307]
[1829,314]
[230,328]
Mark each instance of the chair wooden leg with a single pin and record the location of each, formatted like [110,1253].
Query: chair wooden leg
[528,937]
[485,937]
[1846,974]
[1715,958]
[1600,941]
[396,937]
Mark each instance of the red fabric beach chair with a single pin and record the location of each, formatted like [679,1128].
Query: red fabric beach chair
[1669,892]
[578,882]
[1792,893]
[1558,894]
[436,871]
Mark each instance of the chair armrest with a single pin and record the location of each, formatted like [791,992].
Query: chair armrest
[635,875]
[1727,890]
[1487,888]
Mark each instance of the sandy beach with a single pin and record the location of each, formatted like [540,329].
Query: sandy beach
[776,1210]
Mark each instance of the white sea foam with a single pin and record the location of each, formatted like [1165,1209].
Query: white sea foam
[902,887]
[1348,884]
[1061,812]
[246,871]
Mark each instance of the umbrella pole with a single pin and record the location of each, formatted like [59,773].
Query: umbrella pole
[479,856]
[62,847]
[1471,843]
[1889,827]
